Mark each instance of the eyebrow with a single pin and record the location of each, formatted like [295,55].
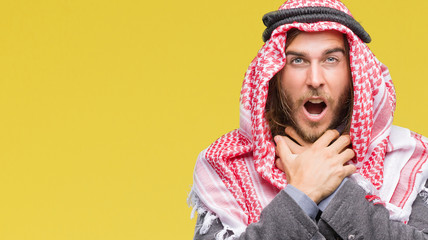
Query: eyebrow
[338,49]
[326,52]
[299,54]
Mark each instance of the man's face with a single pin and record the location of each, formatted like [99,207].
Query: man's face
[316,81]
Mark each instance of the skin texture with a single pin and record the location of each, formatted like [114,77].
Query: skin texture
[316,68]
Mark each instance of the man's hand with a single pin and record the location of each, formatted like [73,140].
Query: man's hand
[301,144]
[317,169]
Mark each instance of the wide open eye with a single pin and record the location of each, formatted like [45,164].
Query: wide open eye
[296,61]
[331,60]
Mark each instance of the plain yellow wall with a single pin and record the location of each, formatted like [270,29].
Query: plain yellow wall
[105,105]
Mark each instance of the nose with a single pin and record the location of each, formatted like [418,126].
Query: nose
[315,77]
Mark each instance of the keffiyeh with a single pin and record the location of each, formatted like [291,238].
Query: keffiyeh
[236,176]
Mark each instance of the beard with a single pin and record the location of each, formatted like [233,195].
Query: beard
[342,111]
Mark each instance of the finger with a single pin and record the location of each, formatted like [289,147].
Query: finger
[282,150]
[326,138]
[294,147]
[293,134]
[346,155]
[278,164]
[341,143]
[349,169]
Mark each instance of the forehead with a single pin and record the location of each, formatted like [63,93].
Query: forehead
[309,42]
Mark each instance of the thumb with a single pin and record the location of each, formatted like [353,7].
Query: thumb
[282,150]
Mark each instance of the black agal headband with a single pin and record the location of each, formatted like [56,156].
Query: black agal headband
[275,19]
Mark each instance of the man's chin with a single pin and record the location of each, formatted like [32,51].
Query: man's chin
[310,134]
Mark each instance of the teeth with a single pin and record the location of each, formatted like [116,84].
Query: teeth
[315,101]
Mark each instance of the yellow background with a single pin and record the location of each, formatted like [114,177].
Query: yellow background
[105,105]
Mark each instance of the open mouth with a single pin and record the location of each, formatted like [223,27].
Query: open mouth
[315,106]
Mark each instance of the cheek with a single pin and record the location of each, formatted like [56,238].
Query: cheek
[340,82]
[292,80]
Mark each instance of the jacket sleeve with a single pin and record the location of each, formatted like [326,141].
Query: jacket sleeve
[351,216]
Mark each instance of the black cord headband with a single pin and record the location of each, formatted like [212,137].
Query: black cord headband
[275,19]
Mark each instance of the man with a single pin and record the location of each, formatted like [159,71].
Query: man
[316,156]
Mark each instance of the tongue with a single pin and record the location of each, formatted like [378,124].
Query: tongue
[314,108]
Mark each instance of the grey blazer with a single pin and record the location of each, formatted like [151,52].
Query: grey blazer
[348,216]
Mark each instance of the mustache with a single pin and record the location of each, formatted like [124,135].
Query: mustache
[315,92]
